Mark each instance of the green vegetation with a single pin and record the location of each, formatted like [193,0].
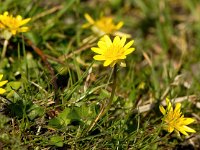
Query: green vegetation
[56,90]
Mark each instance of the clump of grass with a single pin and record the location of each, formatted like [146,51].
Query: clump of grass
[58,97]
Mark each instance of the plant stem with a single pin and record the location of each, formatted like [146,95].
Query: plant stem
[108,104]
[5,44]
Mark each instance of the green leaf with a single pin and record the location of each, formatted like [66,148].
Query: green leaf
[63,117]
[62,120]
[85,113]
[11,87]
[34,37]
[4,63]
[55,123]
[57,141]
[35,111]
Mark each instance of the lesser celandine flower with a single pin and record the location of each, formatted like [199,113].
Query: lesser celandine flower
[1,26]
[174,120]
[9,26]
[2,91]
[104,25]
[13,24]
[112,52]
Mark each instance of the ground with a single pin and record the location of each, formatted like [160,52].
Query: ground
[56,91]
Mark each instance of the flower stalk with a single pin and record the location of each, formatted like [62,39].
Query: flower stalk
[108,104]
[112,53]
[114,85]
[5,44]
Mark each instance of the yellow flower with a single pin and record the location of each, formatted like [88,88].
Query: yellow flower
[174,120]
[1,84]
[1,26]
[104,25]
[112,52]
[13,24]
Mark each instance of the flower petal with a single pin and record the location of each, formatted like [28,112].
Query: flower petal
[25,21]
[113,63]
[89,18]
[3,82]
[116,40]
[169,105]
[170,129]
[177,108]
[129,44]
[122,42]
[119,25]
[107,62]
[107,40]
[1,76]
[19,17]
[99,57]
[122,57]
[14,32]
[2,91]
[188,129]
[5,13]
[182,130]
[128,51]
[162,109]
[23,29]
[102,45]
[97,50]
[85,25]
[188,121]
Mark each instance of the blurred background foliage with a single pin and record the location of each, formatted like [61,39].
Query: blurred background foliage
[165,63]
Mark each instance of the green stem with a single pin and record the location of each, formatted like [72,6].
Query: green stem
[5,44]
[108,104]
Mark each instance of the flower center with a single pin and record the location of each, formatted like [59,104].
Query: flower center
[106,25]
[114,52]
[11,22]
